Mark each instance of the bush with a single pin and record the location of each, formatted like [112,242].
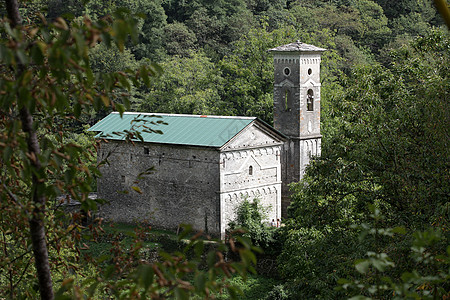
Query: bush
[252,216]
[279,292]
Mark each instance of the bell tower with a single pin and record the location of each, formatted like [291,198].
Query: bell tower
[296,112]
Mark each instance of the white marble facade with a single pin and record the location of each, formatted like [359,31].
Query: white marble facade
[250,168]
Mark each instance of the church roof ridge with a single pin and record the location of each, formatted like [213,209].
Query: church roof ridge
[297,47]
[187,115]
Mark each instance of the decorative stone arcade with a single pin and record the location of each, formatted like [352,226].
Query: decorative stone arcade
[297,109]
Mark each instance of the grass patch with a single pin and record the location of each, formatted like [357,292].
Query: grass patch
[125,234]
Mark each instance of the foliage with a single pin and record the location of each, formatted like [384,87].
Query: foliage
[279,292]
[385,127]
[387,138]
[252,217]
[190,85]
[385,142]
[233,35]
[47,79]
[133,268]
[302,261]
[179,39]
[248,73]
[45,70]
[429,279]
[254,287]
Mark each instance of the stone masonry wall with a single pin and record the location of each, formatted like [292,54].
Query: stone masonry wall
[183,188]
[297,79]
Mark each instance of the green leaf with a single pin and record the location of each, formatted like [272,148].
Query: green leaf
[199,248]
[146,276]
[7,152]
[77,110]
[200,282]
[105,100]
[362,266]
[137,189]
[120,109]
[234,292]
[5,54]
[24,96]
[187,229]
[248,257]
[181,294]
[211,259]
[399,230]
[144,75]
[22,56]
[36,55]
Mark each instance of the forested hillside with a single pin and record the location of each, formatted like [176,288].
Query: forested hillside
[214,53]
[370,217]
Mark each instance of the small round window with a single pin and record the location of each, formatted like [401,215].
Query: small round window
[287,71]
[309,71]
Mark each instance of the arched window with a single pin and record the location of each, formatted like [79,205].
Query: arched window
[250,170]
[310,100]
[287,100]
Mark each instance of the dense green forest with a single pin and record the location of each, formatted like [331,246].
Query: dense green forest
[214,53]
[371,216]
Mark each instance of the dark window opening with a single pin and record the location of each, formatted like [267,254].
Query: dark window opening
[250,170]
[146,150]
[309,71]
[287,71]
[287,100]
[310,100]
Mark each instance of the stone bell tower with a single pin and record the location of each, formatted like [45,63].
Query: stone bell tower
[296,111]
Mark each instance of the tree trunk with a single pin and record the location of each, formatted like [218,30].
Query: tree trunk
[37,228]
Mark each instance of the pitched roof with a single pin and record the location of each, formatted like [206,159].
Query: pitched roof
[209,131]
[297,47]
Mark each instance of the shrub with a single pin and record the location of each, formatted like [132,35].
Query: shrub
[252,216]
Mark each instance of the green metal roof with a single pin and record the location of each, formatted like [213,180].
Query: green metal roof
[210,131]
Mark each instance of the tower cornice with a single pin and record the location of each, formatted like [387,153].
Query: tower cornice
[297,47]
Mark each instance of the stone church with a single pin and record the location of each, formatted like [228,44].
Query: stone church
[201,167]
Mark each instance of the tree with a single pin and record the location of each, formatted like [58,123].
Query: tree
[189,85]
[44,68]
[248,72]
[47,78]
[385,143]
[423,276]
[215,24]
[179,39]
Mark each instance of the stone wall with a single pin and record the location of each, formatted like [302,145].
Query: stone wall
[251,168]
[297,83]
[185,184]
[182,188]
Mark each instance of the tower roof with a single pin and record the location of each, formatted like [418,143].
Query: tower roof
[297,47]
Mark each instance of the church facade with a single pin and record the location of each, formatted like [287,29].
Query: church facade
[202,167]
